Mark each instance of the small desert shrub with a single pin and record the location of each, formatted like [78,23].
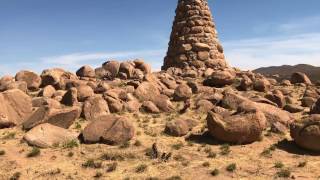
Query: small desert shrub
[34,152]
[212,155]
[70,154]
[137,143]
[77,125]
[268,151]
[90,163]
[206,164]
[15,176]
[141,168]
[117,156]
[174,178]
[98,175]
[284,173]
[112,167]
[215,172]
[70,144]
[125,145]
[302,164]
[2,152]
[177,146]
[9,135]
[179,157]
[231,167]
[278,165]
[225,149]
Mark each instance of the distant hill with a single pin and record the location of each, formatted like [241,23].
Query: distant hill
[286,71]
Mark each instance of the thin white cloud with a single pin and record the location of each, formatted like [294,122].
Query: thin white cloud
[291,50]
[295,42]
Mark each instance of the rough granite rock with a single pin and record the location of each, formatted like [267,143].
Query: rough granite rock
[109,129]
[94,107]
[240,128]
[47,135]
[306,133]
[32,79]
[63,118]
[15,108]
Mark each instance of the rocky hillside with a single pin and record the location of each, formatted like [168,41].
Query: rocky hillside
[286,71]
[122,120]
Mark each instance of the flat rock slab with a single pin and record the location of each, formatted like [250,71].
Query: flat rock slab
[47,135]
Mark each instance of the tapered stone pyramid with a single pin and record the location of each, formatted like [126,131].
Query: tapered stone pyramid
[194,41]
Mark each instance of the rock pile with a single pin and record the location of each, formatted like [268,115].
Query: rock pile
[194,42]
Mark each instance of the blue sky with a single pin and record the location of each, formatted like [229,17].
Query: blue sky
[38,34]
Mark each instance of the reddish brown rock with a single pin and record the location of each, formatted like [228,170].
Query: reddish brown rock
[112,67]
[15,108]
[150,107]
[240,128]
[84,92]
[315,109]
[261,85]
[86,71]
[32,79]
[47,135]
[109,129]
[220,79]
[70,98]
[306,133]
[179,127]
[63,118]
[182,92]
[94,107]
[299,77]
[47,91]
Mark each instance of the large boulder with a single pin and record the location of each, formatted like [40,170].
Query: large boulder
[273,114]
[261,85]
[112,67]
[47,91]
[220,79]
[150,107]
[306,133]
[15,108]
[94,107]
[146,91]
[84,92]
[109,129]
[32,79]
[70,98]
[182,92]
[47,135]
[315,109]
[51,76]
[240,128]
[299,77]
[86,71]
[277,97]
[63,118]
[179,127]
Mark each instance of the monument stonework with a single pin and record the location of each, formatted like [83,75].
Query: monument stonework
[194,41]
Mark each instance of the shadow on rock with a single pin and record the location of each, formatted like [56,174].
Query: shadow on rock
[293,148]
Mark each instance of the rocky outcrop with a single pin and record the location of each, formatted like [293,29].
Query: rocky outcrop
[179,127]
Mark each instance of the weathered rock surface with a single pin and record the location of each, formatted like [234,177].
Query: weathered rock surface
[179,127]
[47,135]
[315,109]
[299,77]
[109,129]
[306,133]
[94,107]
[240,128]
[32,79]
[15,107]
[63,118]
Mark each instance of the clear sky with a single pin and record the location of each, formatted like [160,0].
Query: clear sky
[38,34]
